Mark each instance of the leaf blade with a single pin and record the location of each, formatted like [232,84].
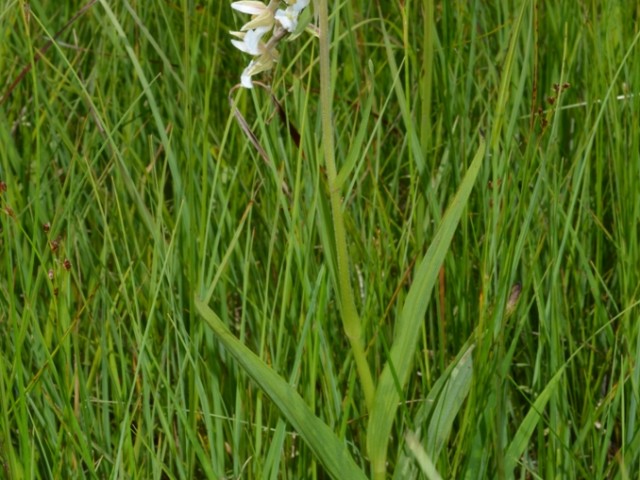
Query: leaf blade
[327,447]
[400,360]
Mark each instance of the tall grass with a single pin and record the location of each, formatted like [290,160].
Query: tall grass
[170,299]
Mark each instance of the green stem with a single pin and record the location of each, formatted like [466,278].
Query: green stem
[350,318]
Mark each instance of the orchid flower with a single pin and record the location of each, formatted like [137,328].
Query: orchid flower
[264,19]
[251,41]
[262,15]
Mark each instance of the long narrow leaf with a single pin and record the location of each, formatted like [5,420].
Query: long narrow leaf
[521,439]
[330,451]
[448,405]
[407,330]
[440,408]
[426,464]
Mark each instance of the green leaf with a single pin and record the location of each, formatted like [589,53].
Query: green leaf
[448,404]
[440,408]
[422,457]
[330,451]
[401,356]
[521,439]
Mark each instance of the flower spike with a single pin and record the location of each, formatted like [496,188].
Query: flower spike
[264,19]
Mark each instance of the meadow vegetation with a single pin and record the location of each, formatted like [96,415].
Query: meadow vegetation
[189,289]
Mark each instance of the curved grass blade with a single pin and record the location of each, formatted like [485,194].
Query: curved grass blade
[326,446]
[448,404]
[440,408]
[521,439]
[401,355]
[422,457]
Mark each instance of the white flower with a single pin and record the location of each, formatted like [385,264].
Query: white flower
[260,64]
[262,15]
[297,5]
[247,73]
[264,19]
[251,41]
[252,8]
[287,18]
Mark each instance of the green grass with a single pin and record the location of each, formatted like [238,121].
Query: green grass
[173,304]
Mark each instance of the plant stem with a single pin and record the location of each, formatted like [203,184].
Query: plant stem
[350,317]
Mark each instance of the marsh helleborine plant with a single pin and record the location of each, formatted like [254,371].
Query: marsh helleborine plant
[260,36]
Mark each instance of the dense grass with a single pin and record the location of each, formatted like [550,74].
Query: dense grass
[133,202]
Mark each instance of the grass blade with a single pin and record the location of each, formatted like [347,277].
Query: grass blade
[328,448]
[426,464]
[521,438]
[402,351]
[448,405]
